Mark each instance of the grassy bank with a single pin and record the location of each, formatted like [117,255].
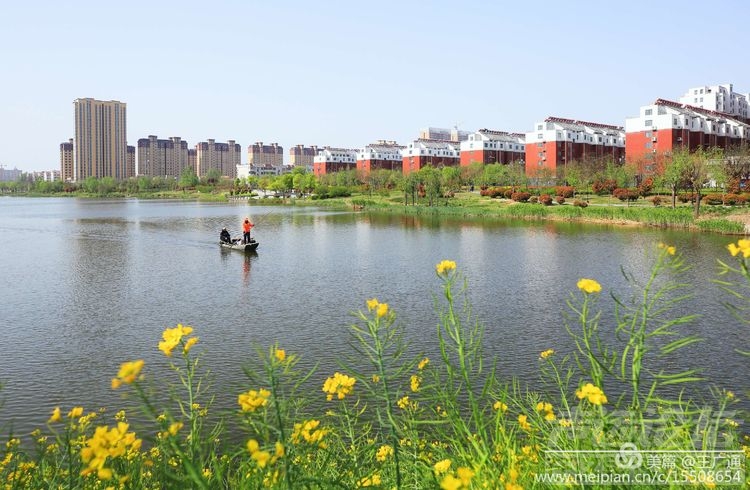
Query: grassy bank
[599,210]
[386,419]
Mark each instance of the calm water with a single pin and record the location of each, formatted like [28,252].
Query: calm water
[88,284]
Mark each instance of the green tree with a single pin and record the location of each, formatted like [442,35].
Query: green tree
[430,177]
[451,178]
[697,171]
[188,179]
[674,167]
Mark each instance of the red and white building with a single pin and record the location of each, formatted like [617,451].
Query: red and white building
[665,125]
[385,155]
[557,141]
[423,152]
[719,98]
[329,160]
[488,146]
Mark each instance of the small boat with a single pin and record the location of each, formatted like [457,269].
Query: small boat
[238,245]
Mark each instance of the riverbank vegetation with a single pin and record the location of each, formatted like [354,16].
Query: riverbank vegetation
[615,407]
[702,190]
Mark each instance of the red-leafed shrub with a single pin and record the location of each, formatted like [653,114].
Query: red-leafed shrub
[656,201]
[624,194]
[686,197]
[580,203]
[560,199]
[520,196]
[545,199]
[565,191]
[601,187]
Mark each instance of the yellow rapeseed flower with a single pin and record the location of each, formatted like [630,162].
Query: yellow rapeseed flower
[172,338]
[370,481]
[382,310]
[280,355]
[671,250]
[593,394]
[442,466]
[375,378]
[129,372]
[415,382]
[175,428]
[589,286]
[383,452]
[423,363]
[502,407]
[450,482]
[523,422]
[465,475]
[252,400]
[445,266]
[547,353]
[189,344]
[75,413]
[339,385]
[742,245]
[404,403]
[55,417]
[372,304]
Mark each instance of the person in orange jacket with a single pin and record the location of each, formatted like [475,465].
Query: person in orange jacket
[247,225]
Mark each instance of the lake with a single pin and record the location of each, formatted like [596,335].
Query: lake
[89,284]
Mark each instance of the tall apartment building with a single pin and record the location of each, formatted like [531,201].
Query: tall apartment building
[222,156]
[130,161]
[489,146]
[162,158]
[192,159]
[665,125]
[329,160]
[719,98]
[444,134]
[100,139]
[67,161]
[382,155]
[557,141]
[423,152]
[260,155]
[303,156]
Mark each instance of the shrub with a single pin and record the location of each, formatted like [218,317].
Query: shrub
[508,193]
[626,194]
[713,199]
[560,199]
[520,196]
[580,203]
[603,186]
[645,187]
[656,201]
[685,197]
[565,191]
[545,199]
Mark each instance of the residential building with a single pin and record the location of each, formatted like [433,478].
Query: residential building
[259,155]
[489,146]
[719,98]
[222,156]
[192,161]
[329,160]
[382,155]
[555,142]
[162,158]
[130,161]
[444,134]
[303,156]
[67,161]
[9,175]
[423,152]
[100,139]
[45,175]
[665,125]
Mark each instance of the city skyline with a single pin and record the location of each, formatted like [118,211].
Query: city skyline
[346,75]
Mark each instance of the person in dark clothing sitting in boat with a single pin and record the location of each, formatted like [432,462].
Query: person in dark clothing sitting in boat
[224,236]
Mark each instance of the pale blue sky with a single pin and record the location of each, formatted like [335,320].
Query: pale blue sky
[349,73]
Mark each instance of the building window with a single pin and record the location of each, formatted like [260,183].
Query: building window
[648,112]
[539,127]
[540,136]
[649,144]
[648,122]
[648,134]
